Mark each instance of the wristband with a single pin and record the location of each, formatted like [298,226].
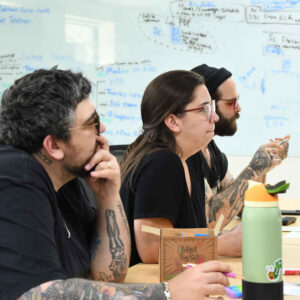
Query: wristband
[166,290]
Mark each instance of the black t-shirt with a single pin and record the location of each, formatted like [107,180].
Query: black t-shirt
[159,190]
[34,243]
[219,165]
[79,220]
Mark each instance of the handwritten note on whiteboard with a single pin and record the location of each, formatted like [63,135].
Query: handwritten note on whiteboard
[122,45]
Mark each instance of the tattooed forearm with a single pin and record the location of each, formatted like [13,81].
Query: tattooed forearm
[232,193]
[247,173]
[261,161]
[237,205]
[231,199]
[116,245]
[215,204]
[235,210]
[124,218]
[227,181]
[75,289]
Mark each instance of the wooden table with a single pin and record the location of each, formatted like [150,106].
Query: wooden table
[149,273]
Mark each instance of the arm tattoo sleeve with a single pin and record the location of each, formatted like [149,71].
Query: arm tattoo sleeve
[261,161]
[116,245]
[237,205]
[215,204]
[81,289]
[124,218]
[234,194]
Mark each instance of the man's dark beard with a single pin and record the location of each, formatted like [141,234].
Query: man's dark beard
[80,171]
[226,127]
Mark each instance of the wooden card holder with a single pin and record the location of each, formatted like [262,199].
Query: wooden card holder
[180,246]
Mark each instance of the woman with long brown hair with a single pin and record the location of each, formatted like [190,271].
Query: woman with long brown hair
[159,188]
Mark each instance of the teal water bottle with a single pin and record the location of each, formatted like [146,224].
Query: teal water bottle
[261,246]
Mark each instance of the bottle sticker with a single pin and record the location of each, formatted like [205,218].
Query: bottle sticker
[273,271]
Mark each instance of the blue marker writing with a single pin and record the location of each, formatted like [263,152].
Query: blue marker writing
[196,234]
[201,234]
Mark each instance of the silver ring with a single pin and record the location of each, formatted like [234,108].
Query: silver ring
[108,163]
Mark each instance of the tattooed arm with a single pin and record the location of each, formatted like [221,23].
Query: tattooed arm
[231,198]
[110,247]
[76,288]
[196,283]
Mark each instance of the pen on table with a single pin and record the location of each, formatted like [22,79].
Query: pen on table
[227,274]
[291,271]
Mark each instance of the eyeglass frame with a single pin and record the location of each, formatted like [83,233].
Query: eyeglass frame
[96,124]
[211,104]
[236,100]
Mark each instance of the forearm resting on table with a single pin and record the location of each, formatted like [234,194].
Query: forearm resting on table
[230,243]
[148,244]
[77,288]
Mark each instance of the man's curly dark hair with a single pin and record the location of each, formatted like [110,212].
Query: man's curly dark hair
[38,104]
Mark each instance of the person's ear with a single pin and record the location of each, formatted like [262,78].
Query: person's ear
[53,148]
[173,123]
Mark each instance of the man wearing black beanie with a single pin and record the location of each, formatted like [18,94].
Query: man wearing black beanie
[222,88]
[224,195]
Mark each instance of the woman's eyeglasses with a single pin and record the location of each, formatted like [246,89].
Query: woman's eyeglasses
[207,108]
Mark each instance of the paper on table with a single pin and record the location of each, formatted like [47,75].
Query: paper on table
[292,289]
[290,228]
[293,235]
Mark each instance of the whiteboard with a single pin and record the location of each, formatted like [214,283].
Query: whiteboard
[121,45]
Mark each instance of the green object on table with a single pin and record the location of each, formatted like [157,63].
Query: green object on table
[277,188]
[262,245]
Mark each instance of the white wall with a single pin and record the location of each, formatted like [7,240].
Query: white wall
[289,170]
